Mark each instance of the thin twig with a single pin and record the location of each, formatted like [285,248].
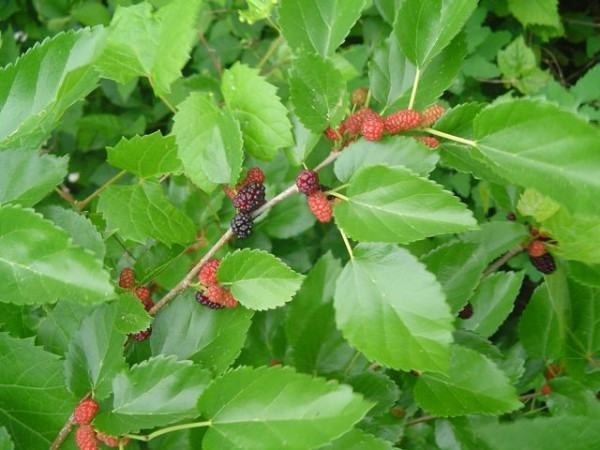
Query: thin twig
[503,259]
[214,57]
[274,45]
[82,204]
[63,191]
[63,433]
[185,282]
[419,420]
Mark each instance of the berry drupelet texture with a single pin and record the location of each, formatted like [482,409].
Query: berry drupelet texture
[536,249]
[208,273]
[544,263]
[255,175]
[85,411]
[431,115]
[111,441]
[250,197]
[429,141]
[144,295]
[359,96]
[205,301]
[85,438]
[372,128]
[141,335]
[242,225]
[320,206]
[307,182]
[403,120]
[127,278]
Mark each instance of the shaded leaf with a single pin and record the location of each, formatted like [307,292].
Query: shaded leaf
[188,330]
[473,385]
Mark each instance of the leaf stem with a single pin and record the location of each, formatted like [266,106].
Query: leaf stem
[347,243]
[451,137]
[413,92]
[189,277]
[503,259]
[160,432]
[338,195]
[82,204]
[420,420]
[274,45]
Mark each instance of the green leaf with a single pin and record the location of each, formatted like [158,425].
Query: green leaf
[275,408]
[326,105]
[289,218]
[539,146]
[458,267]
[493,302]
[316,345]
[142,211]
[583,343]
[543,325]
[587,88]
[532,203]
[57,328]
[392,75]
[570,398]
[358,440]
[79,227]
[548,433]
[26,177]
[95,354]
[424,29]
[497,237]
[257,279]
[257,10]
[482,389]
[210,338]
[34,403]
[574,234]
[39,264]
[209,141]
[377,387]
[146,156]
[131,316]
[586,274]
[392,204]
[254,102]
[154,44]
[317,26]
[520,68]
[376,309]
[392,151]
[43,83]
[536,12]
[156,392]
[6,442]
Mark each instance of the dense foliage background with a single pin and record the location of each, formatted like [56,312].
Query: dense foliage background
[424,325]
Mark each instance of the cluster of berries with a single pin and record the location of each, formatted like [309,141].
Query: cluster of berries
[247,197]
[143,293]
[541,259]
[319,204]
[372,126]
[86,437]
[215,296]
